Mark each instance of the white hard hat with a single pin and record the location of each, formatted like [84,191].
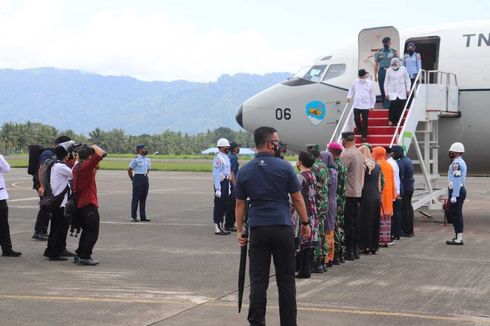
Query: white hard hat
[457,148]
[223,142]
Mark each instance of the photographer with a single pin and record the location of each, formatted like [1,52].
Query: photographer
[85,188]
[60,177]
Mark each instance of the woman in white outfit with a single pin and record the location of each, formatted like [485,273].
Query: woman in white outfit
[397,88]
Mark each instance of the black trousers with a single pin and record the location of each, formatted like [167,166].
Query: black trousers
[456,210]
[276,241]
[42,221]
[230,210]
[57,232]
[396,220]
[89,223]
[407,213]
[351,222]
[361,125]
[5,241]
[221,203]
[396,109]
[141,185]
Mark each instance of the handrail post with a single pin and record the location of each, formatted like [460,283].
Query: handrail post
[334,135]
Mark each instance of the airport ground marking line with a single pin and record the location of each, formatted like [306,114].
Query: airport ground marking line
[214,303]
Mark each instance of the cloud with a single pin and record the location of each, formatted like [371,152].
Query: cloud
[149,46]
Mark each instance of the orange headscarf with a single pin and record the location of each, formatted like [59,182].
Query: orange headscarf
[388,194]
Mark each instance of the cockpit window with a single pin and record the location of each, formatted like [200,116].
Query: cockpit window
[313,74]
[334,70]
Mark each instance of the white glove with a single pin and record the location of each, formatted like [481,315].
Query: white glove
[218,193]
[453,200]
[450,185]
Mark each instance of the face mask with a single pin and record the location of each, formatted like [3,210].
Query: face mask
[411,51]
[145,152]
[452,155]
[386,45]
[227,150]
[277,151]
[395,68]
[297,166]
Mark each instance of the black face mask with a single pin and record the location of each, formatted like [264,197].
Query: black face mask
[277,151]
[452,155]
[144,153]
[386,45]
[227,150]
[411,52]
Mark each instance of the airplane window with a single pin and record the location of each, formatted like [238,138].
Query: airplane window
[335,70]
[314,73]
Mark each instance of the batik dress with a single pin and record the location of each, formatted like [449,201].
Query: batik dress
[339,218]
[308,191]
[320,171]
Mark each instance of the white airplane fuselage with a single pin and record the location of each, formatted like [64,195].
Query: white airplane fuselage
[462,49]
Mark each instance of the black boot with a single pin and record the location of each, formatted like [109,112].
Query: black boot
[349,255]
[336,258]
[11,253]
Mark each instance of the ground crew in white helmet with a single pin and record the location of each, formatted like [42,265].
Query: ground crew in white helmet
[221,181]
[457,191]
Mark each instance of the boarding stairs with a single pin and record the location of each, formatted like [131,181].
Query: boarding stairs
[436,95]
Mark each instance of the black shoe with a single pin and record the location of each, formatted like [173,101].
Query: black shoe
[454,242]
[336,261]
[58,258]
[373,252]
[349,256]
[231,229]
[330,264]
[145,220]
[364,139]
[317,268]
[46,252]
[133,220]
[11,253]
[76,259]
[325,267]
[299,275]
[406,235]
[88,262]
[395,238]
[67,253]
[40,237]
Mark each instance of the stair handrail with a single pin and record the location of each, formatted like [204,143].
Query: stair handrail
[412,90]
[339,122]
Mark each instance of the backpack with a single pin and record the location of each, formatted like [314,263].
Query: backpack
[35,152]
[49,201]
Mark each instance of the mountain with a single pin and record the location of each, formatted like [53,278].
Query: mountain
[71,99]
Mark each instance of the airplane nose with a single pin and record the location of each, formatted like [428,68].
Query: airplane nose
[239,116]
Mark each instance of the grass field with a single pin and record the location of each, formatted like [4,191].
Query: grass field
[188,163]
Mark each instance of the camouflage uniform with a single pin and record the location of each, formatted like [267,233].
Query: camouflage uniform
[339,221]
[320,171]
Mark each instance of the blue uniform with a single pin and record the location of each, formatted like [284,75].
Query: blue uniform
[221,182]
[457,177]
[141,166]
[405,166]
[230,210]
[413,63]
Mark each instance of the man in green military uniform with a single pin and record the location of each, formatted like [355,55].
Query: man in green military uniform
[320,171]
[382,60]
[336,150]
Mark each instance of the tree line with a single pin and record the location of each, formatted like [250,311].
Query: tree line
[16,137]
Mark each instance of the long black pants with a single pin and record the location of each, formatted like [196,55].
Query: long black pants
[397,218]
[220,203]
[351,222]
[5,241]
[407,213]
[396,109]
[42,221]
[456,210]
[361,125]
[89,223]
[141,185]
[230,210]
[278,241]
[57,233]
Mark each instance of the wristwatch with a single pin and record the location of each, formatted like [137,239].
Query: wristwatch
[305,223]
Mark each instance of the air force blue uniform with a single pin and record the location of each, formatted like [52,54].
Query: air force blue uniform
[141,166]
[457,178]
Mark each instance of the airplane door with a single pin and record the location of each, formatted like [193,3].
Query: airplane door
[370,41]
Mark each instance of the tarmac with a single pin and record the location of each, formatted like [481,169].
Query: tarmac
[175,271]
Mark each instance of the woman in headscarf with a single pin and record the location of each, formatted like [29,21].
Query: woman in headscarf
[304,256]
[370,204]
[387,196]
[327,158]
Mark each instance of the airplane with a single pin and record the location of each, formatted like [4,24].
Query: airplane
[311,106]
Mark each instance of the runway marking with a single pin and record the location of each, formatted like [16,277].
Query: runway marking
[212,302]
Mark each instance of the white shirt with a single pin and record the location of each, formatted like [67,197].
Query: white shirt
[397,83]
[60,175]
[396,172]
[365,98]
[4,168]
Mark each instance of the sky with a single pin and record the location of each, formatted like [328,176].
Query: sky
[200,40]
